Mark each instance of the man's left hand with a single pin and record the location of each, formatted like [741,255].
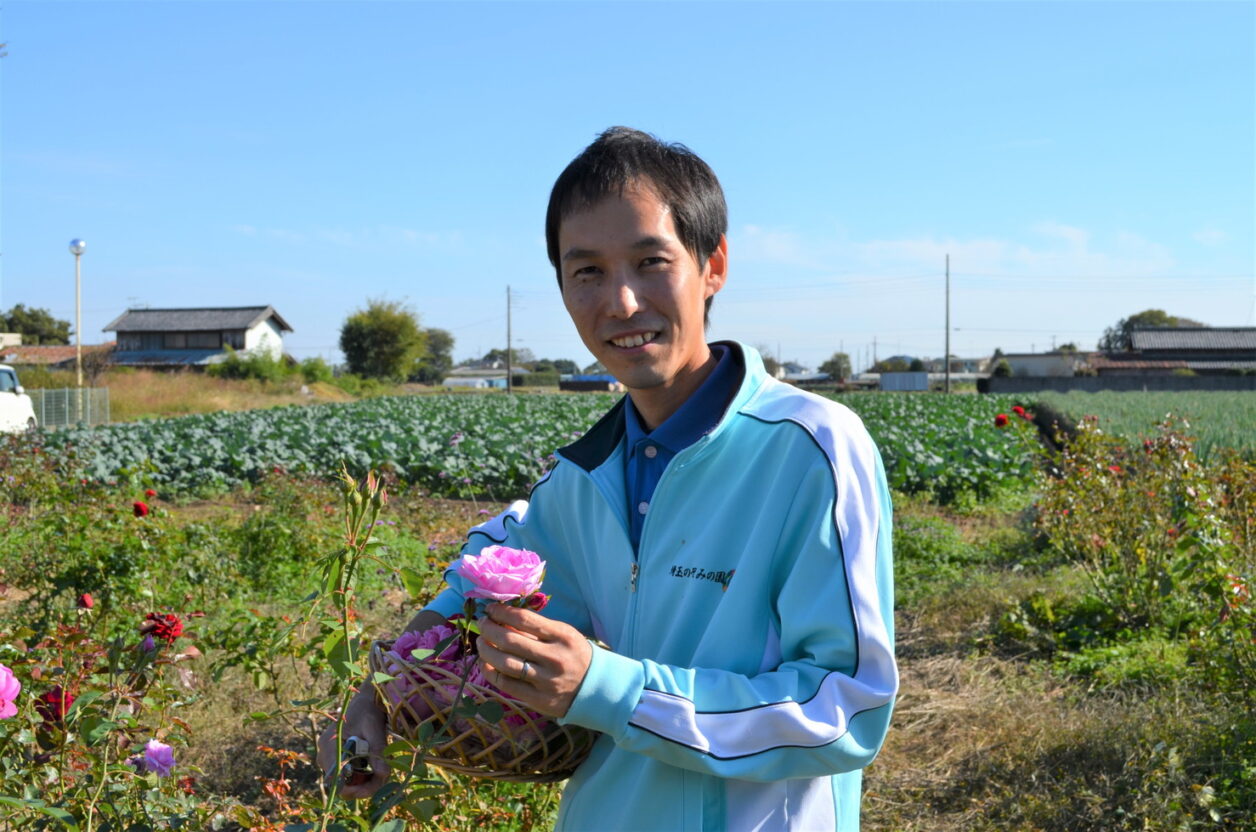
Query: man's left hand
[539,661]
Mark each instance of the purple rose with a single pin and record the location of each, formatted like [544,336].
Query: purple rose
[157,758]
[500,573]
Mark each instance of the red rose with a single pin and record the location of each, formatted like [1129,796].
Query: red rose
[1116,469]
[140,508]
[537,601]
[1000,421]
[86,601]
[150,493]
[1019,411]
[188,784]
[166,627]
[54,705]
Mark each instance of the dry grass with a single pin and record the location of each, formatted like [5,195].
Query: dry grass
[144,394]
[989,742]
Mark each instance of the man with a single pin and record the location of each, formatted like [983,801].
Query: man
[728,537]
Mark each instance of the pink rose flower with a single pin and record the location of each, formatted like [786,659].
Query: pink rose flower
[10,687]
[500,573]
[429,639]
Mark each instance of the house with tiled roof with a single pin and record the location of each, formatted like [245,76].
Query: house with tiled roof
[166,338]
[52,356]
[1202,350]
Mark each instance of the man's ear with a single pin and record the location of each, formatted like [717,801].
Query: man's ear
[716,273]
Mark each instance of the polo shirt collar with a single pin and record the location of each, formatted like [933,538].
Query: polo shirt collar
[699,414]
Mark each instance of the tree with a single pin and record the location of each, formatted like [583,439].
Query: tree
[770,363]
[838,366]
[1116,338]
[518,355]
[36,326]
[890,365]
[383,340]
[566,366]
[437,360]
[595,369]
[916,365]
[1002,369]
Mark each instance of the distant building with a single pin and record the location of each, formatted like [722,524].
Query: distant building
[476,382]
[52,356]
[591,383]
[1045,364]
[958,365]
[166,338]
[911,381]
[1200,350]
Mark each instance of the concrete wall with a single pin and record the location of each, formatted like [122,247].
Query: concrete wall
[1052,364]
[1094,384]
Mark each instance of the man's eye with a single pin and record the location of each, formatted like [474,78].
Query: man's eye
[653,261]
[585,272]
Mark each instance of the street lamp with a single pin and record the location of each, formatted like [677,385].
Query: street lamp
[77,247]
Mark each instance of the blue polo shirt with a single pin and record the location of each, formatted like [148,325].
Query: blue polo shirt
[649,452]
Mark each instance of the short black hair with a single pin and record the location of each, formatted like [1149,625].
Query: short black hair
[622,157]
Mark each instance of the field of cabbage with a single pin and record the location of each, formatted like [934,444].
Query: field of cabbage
[496,446]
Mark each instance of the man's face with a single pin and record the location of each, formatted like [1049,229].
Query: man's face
[635,293]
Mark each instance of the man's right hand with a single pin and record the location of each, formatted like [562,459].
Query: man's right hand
[363,718]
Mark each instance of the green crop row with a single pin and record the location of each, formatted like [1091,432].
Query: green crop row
[1216,419]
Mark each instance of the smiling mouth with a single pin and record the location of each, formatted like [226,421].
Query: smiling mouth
[630,341]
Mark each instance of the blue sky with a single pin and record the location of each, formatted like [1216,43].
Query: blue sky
[1079,161]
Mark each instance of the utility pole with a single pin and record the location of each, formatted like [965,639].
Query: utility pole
[77,247]
[874,350]
[946,359]
[510,381]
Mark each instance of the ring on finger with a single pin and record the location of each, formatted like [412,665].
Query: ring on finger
[526,671]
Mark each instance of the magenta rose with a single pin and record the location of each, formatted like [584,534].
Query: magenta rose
[500,573]
[10,687]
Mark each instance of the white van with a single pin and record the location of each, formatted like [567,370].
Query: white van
[16,413]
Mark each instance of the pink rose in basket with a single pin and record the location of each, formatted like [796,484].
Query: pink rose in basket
[500,573]
[405,687]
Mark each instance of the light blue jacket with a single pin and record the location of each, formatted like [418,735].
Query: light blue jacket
[751,673]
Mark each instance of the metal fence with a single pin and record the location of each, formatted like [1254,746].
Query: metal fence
[72,406]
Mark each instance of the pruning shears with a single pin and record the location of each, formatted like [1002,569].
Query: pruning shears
[355,764]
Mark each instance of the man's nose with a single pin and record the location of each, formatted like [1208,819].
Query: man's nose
[625,291]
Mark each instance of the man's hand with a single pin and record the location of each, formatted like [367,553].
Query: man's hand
[539,661]
[363,718]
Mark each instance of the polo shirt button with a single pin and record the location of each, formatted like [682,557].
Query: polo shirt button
[651,452]
[643,507]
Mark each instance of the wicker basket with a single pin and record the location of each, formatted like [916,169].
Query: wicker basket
[522,747]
